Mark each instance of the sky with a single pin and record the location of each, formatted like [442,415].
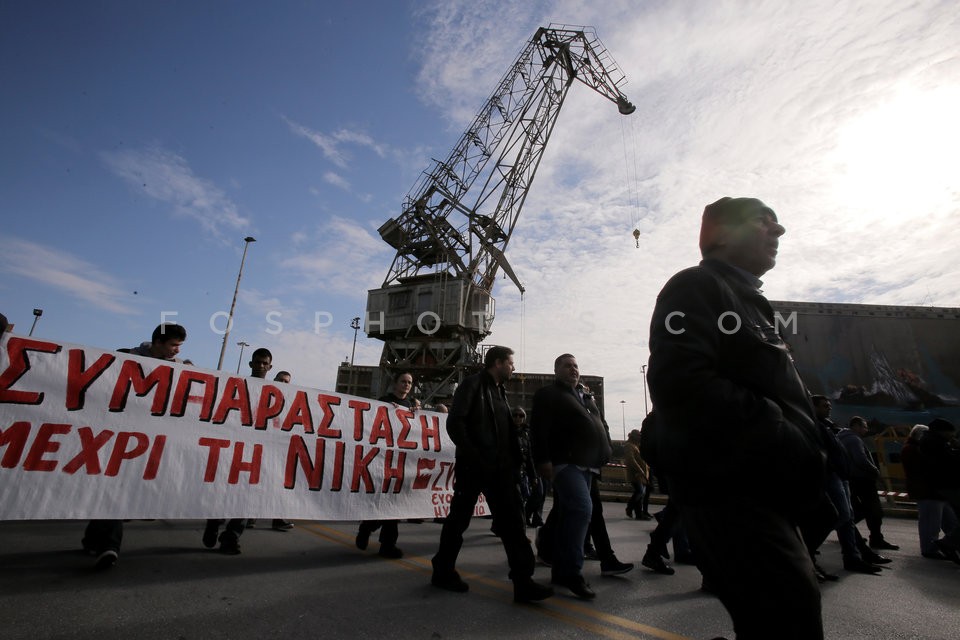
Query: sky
[141,142]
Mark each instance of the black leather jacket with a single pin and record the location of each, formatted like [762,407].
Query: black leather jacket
[475,429]
[737,420]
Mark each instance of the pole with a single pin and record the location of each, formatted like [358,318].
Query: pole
[226,334]
[623,415]
[643,370]
[241,344]
[36,316]
[355,325]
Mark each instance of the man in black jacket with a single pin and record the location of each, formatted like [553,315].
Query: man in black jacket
[488,460]
[570,444]
[739,444]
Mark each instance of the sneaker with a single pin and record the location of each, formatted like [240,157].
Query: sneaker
[577,585]
[106,560]
[280,524]
[450,582]
[644,516]
[590,553]
[530,591]
[210,534]
[629,512]
[934,555]
[363,539]
[394,553]
[883,544]
[652,560]
[613,567]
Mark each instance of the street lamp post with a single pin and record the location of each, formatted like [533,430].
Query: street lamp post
[241,344]
[36,316]
[643,370]
[623,415]
[355,325]
[226,333]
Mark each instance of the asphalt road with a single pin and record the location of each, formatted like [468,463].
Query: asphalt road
[312,582]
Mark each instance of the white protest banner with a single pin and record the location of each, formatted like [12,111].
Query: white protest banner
[87,433]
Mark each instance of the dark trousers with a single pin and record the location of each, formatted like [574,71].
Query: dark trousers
[756,563]
[636,502]
[101,535]
[506,504]
[234,529]
[389,532]
[866,505]
[598,526]
[668,522]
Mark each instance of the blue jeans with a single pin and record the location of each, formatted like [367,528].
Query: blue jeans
[571,491]
[839,494]
[635,503]
[934,516]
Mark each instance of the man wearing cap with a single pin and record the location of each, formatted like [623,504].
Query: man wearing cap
[739,444]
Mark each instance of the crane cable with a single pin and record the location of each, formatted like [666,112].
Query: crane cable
[523,330]
[633,173]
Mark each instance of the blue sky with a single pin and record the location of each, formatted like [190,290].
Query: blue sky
[140,142]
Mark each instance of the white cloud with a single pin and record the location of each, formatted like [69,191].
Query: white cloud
[339,257]
[73,276]
[167,177]
[336,180]
[332,144]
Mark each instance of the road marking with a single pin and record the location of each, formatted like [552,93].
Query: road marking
[558,608]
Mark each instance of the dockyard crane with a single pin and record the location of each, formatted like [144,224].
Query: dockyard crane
[435,305]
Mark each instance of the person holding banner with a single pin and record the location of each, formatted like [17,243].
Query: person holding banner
[389,531]
[102,538]
[260,364]
[487,461]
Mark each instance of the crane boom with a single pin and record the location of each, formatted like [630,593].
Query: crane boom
[435,304]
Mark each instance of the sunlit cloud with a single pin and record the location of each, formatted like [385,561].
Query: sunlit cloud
[68,274]
[168,178]
[340,257]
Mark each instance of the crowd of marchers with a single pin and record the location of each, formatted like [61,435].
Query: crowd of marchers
[756,472]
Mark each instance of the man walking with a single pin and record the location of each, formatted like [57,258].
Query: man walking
[570,444]
[735,414]
[487,460]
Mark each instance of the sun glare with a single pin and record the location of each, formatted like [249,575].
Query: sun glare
[899,160]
